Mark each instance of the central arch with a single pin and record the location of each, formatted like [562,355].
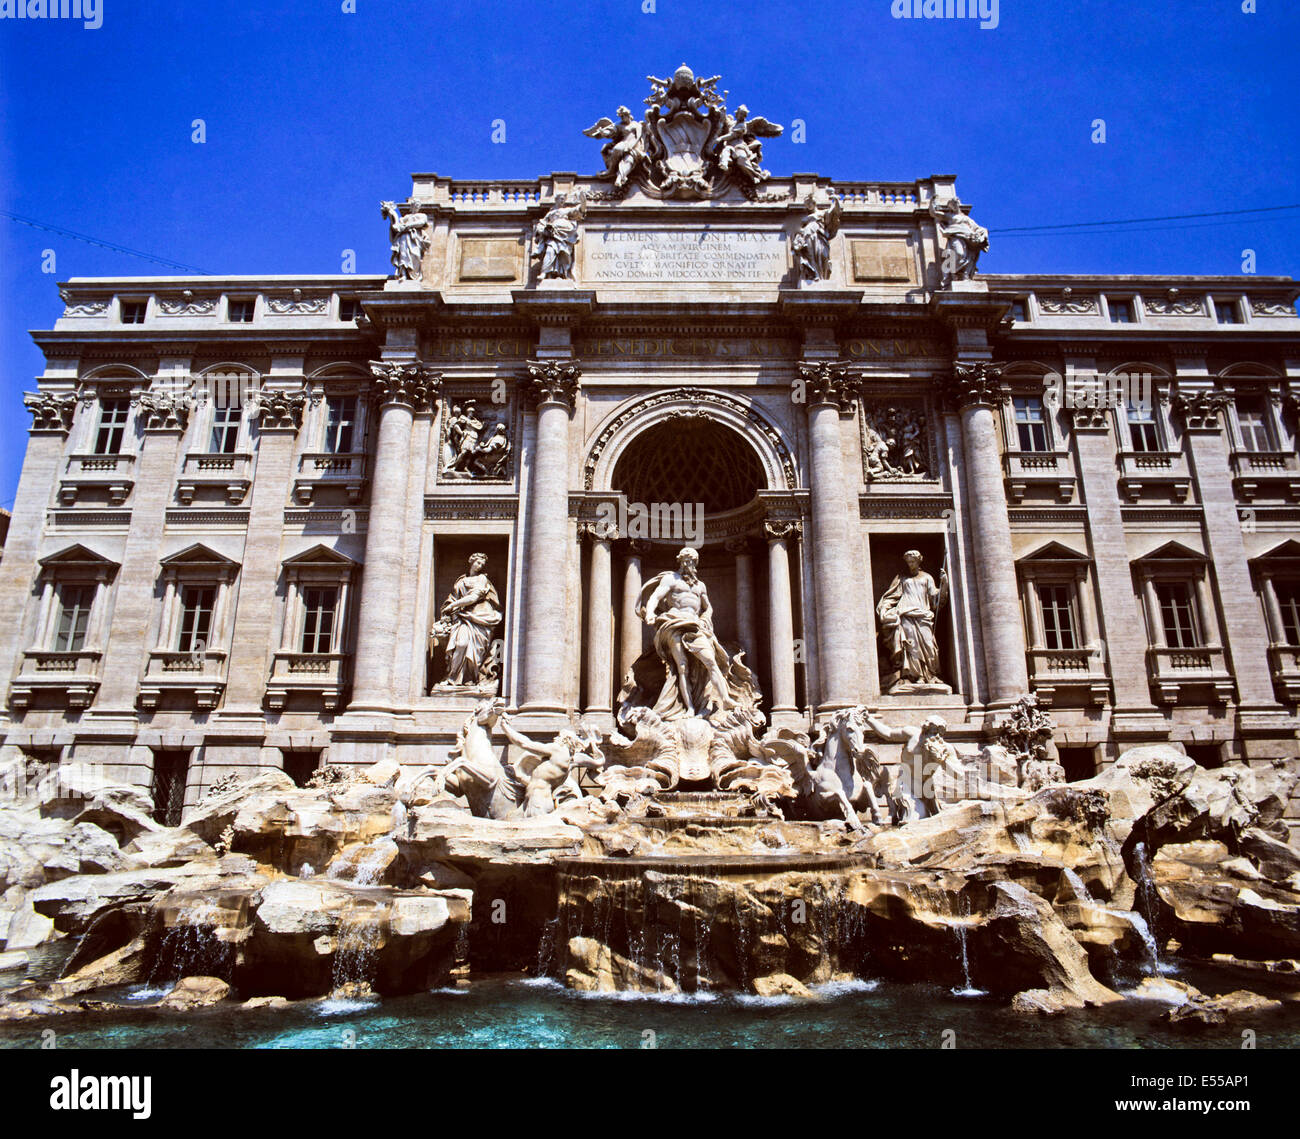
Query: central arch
[690,460]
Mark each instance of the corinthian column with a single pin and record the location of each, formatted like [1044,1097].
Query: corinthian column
[631,638]
[976,390]
[398,391]
[830,394]
[553,387]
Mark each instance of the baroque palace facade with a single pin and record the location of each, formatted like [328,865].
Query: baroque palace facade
[245,523]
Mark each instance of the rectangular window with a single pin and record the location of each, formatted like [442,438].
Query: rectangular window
[1288,600]
[350,310]
[341,418]
[225,429]
[1142,427]
[1121,310]
[113,414]
[1019,313]
[133,311]
[74,602]
[319,606]
[1031,424]
[1058,616]
[171,771]
[1225,310]
[197,604]
[1178,614]
[241,312]
[1252,420]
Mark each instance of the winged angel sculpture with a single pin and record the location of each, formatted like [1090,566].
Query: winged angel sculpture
[689,145]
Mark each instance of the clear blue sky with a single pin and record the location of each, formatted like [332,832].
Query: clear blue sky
[313,115]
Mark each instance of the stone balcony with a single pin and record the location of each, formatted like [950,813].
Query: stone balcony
[319,677]
[318,471]
[1163,470]
[191,679]
[1273,474]
[1181,673]
[1025,470]
[113,475]
[231,475]
[1284,663]
[67,679]
[1079,671]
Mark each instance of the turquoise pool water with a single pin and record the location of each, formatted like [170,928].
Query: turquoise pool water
[519,1013]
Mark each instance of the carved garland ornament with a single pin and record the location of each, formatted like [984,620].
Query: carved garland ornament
[696,397]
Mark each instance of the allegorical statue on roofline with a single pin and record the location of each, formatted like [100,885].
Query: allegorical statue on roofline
[409,238]
[688,145]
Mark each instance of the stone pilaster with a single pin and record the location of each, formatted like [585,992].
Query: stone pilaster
[831,394]
[976,390]
[1245,632]
[163,419]
[745,630]
[51,421]
[399,389]
[278,416]
[552,385]
[1122,625]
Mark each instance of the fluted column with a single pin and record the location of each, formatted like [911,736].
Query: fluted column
[632,631]
[600,623]
[554,387]
[976,390]
[781,615]
[399,389]
[830,394]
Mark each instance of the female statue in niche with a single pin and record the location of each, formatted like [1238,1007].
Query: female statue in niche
[907,612]
[468,617]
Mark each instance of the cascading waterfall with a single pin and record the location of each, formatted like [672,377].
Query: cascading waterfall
[190,947]
[358,943]
[1148,908]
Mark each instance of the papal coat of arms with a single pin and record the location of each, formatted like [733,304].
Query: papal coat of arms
[688,145]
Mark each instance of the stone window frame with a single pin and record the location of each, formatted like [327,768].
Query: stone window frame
[197,566]
[320,388]
[1035,386]
[1256,388]
[75,565]
[246,381]
[1135,308]
[316,567]
[1167,436]
[1282,562]
[1179,564]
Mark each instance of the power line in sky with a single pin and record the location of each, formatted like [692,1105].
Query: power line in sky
[35,224]
[1092,225]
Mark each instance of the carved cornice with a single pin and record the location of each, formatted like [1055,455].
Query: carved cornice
[162,412]
[412,385]
[973,385]
[830,382]
[549,381]
[50,412]
[1200,409]
[277,410]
